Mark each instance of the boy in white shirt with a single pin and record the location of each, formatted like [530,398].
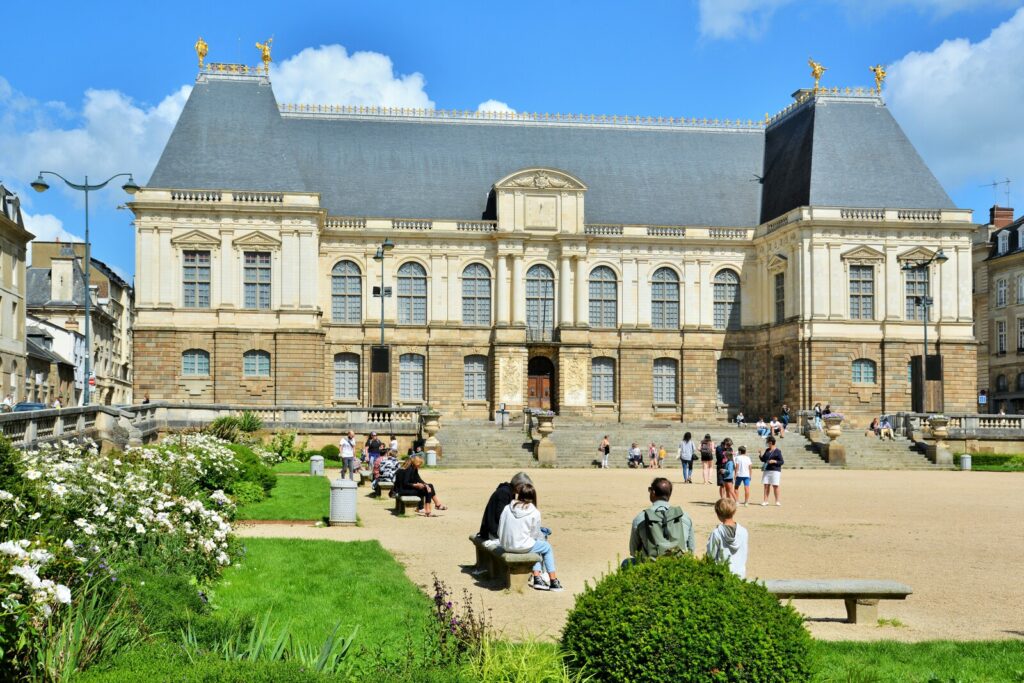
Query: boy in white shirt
[729,541]
[743,464]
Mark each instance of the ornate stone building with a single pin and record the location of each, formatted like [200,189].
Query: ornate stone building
[13,239]
[608,267]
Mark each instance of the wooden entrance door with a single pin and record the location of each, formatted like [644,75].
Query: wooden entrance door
[540,392]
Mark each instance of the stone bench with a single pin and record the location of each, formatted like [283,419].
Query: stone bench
[860,595]
[402,501]
[364,477]
[383,486]
[501,565]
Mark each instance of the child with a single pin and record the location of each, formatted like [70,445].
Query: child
[661,456]
[519,531]
[728,470]
[729,541]
[652,453]
[743,465]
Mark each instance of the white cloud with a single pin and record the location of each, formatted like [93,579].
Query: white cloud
[495,106]
[961,104]
[329,75]
[47,228]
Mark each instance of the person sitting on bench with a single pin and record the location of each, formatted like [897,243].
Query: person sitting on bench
[496,504]
[409,483]
[385,469]
[635,458]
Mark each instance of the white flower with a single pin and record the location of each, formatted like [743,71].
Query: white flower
[12,548]
[69,544]
[63,594]
[6,495]
[27,574]
[34,516]
[32,475]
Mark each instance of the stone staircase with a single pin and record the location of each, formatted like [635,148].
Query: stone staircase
[480,443]
[871,453]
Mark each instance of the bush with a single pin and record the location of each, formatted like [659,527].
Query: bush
[330,452]
[249,422]
[682,619]
[251,468]
[284,444]
[226,427]
[247,493]
[998,461]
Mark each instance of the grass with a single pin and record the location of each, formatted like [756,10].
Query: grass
[937,661]
[298,467]
[296,498]
[997,462]
[311,585]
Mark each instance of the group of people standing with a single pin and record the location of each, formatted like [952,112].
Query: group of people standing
[732,469]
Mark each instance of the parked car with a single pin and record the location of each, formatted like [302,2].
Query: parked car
[25,406]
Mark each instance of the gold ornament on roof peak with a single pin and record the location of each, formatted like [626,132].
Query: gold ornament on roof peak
[880,75]
[201,49]
[264,49]
[817,70]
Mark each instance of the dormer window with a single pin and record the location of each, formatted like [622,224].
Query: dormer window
[1004,242]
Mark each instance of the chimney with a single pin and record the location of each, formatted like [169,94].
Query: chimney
[62,282]
[1000,216]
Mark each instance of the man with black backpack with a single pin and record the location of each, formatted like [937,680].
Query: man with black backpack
[661,529]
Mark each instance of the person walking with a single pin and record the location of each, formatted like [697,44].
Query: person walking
[652,456]
[347,445]
[817,416]
[687,452]
[519,531]
[374,447]
[604,450]
[707,457]
[785,417]
[772,475]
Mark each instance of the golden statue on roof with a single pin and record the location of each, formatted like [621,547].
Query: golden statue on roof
[201,50]
[817,70]
[264,49]
[880,75]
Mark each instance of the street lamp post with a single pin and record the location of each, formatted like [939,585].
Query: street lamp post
[382,251]
[40,185]
[926,301]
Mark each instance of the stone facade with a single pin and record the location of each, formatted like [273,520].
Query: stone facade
[13,241]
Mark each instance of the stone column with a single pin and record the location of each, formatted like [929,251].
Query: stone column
[582,304]
[518,291]
[565,298]
[501,289]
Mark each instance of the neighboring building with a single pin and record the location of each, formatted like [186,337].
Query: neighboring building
[56,293]
[607,267]
[69,345]
[50,376]
[1000,312]
[13,238]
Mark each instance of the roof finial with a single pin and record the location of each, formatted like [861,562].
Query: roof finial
[817,70]
[880,75]
[201,49]
[264,49]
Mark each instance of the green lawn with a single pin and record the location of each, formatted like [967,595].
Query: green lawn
[990,462]
[298,498]
[312,585]
[296,466]
[940,661]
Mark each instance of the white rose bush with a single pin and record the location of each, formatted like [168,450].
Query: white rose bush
[74,521]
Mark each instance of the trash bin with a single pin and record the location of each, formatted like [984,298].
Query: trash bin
[343,502]
[965,461]
[431,458]
[316,466]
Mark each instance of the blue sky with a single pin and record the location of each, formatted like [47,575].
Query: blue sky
[95,88]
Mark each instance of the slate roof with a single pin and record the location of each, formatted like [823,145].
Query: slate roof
[1014,241]
[36,350]
[38,290]
[828,152]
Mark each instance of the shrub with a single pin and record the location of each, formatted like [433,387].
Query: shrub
[251,468]
[247,493]
[249,422]
[284,444]
[330,452]
[682,619]
[226,427]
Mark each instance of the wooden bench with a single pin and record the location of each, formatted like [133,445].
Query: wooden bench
[402,501]
[501,565]
[860,595]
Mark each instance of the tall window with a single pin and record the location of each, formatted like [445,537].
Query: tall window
[412,294]
[1020,334]
[256,279]
[346,293]
[1002,290]
[862,292]
[410,376]
[1000,336]
[780,297]
[540,302]
[915,289]
[864,371]
[727,300]
[1004,242]
[256,364]
[346,376]
[474,378]
[780,378]
[729,381]
[1020,381]
[1001,384]
[665,299]
[476,295]
[602,380]
[665,381]
[195,279]
[195,363]
[603,299]
[1020,289]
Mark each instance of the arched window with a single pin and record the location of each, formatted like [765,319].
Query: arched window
[1001,384]
[665,381]
[195,363]
[476,295]
[412,294]
[665,299]
[864,371]
[410,376]
[540,302]
[603,299]
[256,364]
[729,381]
[727,300]
[346,376]
[474,378]
[602,380]
[346,293]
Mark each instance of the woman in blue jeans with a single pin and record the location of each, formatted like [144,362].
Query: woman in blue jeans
[687,452]
[519,531]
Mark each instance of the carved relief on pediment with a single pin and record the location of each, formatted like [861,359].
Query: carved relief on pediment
[257,240]
[540,179]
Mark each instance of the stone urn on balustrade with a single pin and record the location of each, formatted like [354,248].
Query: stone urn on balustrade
[835,452]
[430,420]
[544,447]
[938,452]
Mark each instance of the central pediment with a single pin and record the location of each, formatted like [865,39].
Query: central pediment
[546,200]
